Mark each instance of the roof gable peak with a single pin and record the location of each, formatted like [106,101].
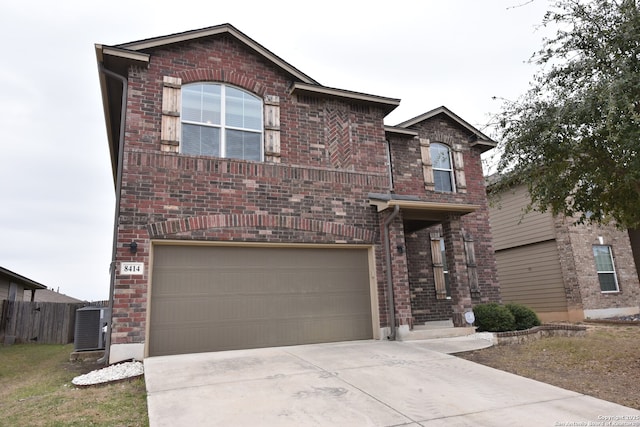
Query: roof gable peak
[479,138]
[229,29]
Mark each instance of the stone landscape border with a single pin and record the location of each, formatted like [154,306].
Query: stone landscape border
[537,332]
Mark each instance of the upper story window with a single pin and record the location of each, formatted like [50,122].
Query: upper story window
[221,121]
[442,167]
[606,270]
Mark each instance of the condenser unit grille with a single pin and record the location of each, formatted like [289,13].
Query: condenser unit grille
[88,330]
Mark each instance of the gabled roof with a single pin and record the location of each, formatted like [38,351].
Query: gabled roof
[17,278]
[398,131]
[142,45]
[47,295]
[387,104]
[479,139]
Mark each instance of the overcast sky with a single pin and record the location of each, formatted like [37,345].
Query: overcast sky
[56,188]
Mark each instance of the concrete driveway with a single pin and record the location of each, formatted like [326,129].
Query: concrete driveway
[360,383]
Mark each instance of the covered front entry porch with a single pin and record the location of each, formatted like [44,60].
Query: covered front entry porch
[430,269]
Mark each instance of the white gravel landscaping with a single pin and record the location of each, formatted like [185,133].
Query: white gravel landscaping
[116,372]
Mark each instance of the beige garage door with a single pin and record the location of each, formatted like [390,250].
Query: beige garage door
[212,298]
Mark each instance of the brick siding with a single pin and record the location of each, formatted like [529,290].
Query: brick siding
[408,180]
[333,154]
[579,269]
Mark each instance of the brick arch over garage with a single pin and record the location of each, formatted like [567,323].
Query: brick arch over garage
[185,225]
[222,76]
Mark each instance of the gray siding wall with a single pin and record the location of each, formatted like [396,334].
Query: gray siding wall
[5,285]
[512,227]
[531,275]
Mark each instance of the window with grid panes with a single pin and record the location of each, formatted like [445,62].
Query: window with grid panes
[222,121]
[606,269]
[442,168]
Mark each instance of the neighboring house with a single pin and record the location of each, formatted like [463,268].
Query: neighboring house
[26,315]
[561,270]
[48,295]
[14,287]
[257,207]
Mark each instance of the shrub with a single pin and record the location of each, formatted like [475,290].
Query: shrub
[525,318]
[493,317]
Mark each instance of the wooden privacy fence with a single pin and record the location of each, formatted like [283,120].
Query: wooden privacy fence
[37,322]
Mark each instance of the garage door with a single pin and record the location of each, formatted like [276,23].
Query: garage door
[212,298]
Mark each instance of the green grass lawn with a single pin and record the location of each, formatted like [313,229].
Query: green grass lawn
[36,390]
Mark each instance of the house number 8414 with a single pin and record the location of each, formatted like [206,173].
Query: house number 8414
[132,268]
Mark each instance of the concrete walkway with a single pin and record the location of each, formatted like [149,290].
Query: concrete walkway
[459,344]
[359,383]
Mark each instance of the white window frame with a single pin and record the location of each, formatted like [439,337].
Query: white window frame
[613,272]
[437,169]
[223,126]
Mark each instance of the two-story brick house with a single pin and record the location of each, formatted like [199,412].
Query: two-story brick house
[257,207]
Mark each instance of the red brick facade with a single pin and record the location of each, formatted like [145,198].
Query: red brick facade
[333,155]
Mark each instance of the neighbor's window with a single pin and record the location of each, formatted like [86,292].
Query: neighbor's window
[606,269]
[221,121]
[445,269]
[442,167]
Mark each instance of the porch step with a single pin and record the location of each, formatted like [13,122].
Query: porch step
[433,330]
[436,324]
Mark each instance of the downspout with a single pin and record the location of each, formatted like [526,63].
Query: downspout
[387,249]
[112,266]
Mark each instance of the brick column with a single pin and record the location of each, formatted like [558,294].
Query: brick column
[458,276]
[570,270]
[400,273]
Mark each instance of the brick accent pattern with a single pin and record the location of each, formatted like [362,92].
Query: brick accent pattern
[185,226]
[339,137]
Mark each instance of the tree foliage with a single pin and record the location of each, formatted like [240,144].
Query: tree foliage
[573,138]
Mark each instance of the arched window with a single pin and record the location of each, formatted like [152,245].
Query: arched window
[221,121]
[442,168]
